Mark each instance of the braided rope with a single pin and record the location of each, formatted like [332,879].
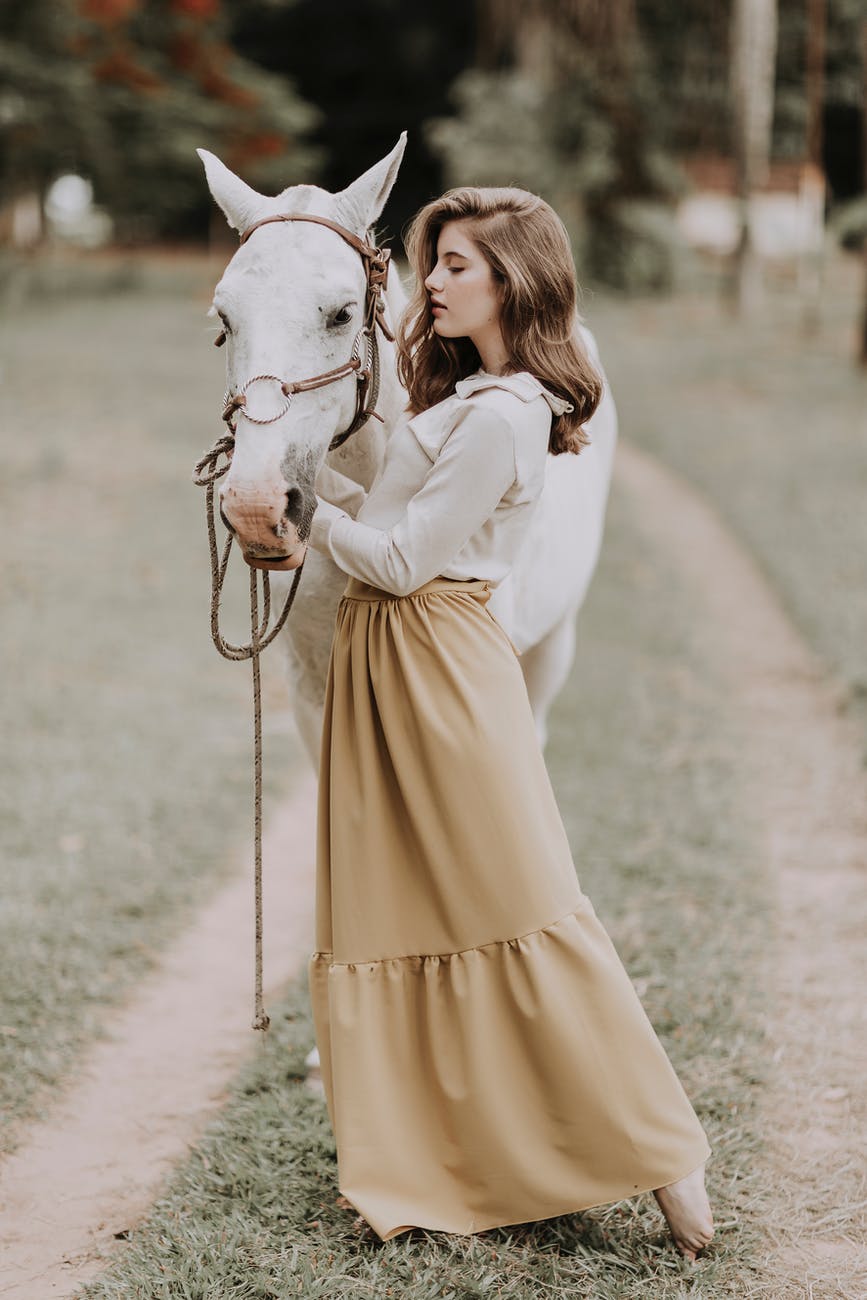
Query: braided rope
[206,474]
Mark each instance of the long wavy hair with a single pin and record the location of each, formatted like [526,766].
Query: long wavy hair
[527,247]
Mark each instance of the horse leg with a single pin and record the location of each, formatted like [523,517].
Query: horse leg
[546,667]
[308,720]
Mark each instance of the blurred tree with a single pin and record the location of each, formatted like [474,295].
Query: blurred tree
[689,46]
[596,100]
[753,64]
[863,50]
[844,97]
[563,101]
[123,91]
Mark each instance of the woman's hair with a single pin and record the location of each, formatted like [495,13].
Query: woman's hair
[527,247]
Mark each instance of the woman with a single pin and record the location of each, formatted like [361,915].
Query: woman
[486,1060]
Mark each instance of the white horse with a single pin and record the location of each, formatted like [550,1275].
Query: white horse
[290,301]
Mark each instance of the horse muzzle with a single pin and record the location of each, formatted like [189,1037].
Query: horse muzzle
[279,563]
[265,524]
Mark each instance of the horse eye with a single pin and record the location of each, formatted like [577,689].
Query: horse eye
[342,317]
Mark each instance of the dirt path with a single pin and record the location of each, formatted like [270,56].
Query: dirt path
[94,1166]
[806,771]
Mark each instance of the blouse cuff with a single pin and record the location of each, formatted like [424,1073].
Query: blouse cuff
[324,518]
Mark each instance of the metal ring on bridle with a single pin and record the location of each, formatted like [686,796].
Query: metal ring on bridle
[255,419]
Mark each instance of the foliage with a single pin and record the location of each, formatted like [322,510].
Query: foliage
[688,44]
[499,134]
[585,135]
[123,91]
[596,121]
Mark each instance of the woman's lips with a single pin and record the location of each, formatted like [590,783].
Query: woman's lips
[435,307]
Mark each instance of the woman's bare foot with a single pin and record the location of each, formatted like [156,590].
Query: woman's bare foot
[687,1212]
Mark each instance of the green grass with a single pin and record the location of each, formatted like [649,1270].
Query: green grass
[644,759]
[125,772]
[772,424]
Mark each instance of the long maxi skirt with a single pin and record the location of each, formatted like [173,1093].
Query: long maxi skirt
[486,1060]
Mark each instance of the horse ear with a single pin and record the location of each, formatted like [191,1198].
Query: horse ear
[240,203]
[362,202]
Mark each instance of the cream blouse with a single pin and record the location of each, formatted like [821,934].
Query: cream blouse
[455,492]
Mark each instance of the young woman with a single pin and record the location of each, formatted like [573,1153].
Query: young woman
[486,1059]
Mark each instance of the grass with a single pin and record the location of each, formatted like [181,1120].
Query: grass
[644,759]
[124,779]
[771,422]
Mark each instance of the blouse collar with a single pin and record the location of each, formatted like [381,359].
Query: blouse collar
[431,426]
[523,385]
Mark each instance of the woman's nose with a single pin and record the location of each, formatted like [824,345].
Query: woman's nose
[433,282]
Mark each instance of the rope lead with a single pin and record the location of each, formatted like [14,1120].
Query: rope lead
[206,474]
[209,470]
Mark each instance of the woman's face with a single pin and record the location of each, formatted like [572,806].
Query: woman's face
[463,293]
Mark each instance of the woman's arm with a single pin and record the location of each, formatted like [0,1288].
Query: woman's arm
[464,486]
[340,490]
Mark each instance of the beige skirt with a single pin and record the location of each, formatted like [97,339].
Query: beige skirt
[485,1057]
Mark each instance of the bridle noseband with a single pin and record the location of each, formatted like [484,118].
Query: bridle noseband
[366,369]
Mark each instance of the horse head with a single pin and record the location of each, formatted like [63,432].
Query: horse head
[295,304]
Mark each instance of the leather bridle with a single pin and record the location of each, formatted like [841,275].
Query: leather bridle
[366,368]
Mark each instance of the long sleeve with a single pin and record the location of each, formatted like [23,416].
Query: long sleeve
[463,487]
[340,490]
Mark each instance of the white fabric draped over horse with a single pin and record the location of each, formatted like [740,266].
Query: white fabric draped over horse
[291,302]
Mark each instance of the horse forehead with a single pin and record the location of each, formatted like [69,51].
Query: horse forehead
[299,251]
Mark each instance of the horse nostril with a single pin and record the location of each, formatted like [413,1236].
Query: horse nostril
[294,505]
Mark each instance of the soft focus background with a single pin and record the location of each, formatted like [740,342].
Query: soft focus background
[710,160]
[643,123]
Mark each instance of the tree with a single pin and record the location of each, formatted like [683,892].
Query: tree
[124,90]
[562,101]
[753,62]
[863,45]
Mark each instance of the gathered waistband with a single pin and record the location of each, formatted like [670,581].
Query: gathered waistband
[358,590]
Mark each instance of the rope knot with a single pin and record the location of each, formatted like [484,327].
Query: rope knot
[206,470]
[233,404]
